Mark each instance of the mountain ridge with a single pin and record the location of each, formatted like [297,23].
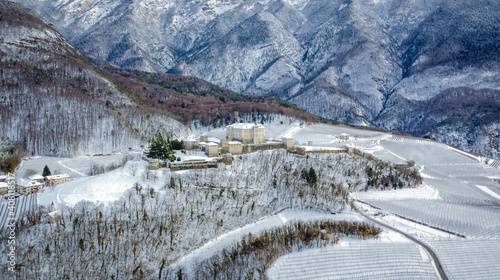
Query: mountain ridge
[56,102]
[353,61]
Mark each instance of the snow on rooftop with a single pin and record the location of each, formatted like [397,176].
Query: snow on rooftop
[33,184]
[213,139]
[55,214]
[246,125]
[3,185]
[212,144]
[37,177]
[5,177]
[194,158]
[57,176]
[314,148]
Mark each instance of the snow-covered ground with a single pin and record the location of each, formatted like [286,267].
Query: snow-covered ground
[75,167]
[458,194]
[422,192]
[227,240]
[458,197]
[469,258]
[104,188]
[356,259]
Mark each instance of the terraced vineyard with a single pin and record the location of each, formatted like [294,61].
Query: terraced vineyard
[471,221]
[461,257]
[23,205]
[356,259]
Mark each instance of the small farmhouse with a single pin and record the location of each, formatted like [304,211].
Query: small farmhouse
[246,133]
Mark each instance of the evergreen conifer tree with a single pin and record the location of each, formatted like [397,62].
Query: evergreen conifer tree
[160,148]
[46,171]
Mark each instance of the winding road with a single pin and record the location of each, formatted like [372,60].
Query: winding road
[437,263]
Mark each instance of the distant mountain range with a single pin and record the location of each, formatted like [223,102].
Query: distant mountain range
[430,68]
[55,102]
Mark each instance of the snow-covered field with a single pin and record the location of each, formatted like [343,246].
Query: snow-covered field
[459,197]
[458,194]
[229,239]
[23,205]
[469,258]
[356,259]
[104,188]
[75,167]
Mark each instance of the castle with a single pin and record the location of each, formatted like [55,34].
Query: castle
[246,133]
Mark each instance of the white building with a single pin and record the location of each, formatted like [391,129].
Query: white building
[31,187]
[246,133]
[57,179]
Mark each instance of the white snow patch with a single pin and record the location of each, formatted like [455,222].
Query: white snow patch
[488,191]
[425,191]
[104,188]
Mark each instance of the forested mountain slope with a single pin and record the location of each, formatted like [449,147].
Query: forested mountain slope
[54,102]
[390,63]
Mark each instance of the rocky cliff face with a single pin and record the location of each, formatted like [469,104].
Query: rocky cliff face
[426,67]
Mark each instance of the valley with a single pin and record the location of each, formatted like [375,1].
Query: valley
[261,139]
[391,64]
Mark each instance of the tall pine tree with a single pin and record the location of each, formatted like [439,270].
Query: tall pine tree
[46,171]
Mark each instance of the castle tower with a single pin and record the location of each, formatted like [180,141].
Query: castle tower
[224,143]
[212,150]
[289,143]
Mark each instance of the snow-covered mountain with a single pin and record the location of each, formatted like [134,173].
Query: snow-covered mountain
[425,67]
[54,102]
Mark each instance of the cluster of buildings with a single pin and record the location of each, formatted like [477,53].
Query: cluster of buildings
[241,138]
[38,183]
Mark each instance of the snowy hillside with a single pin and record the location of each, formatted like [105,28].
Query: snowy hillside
[429,68]
[262,215]
[54,102]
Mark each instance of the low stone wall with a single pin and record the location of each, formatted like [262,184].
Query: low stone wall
[176,166]
[303,151]
[250,148]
